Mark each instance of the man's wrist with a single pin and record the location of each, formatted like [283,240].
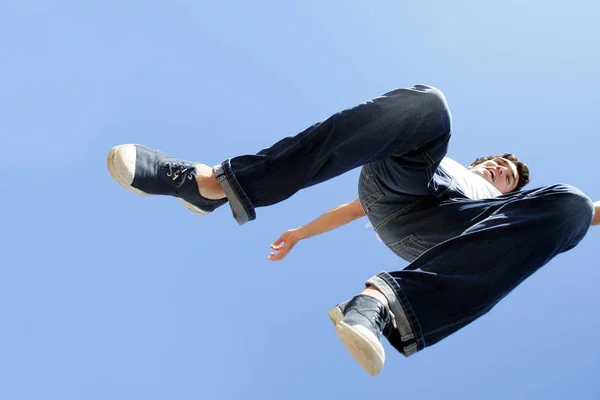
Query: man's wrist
[300,233]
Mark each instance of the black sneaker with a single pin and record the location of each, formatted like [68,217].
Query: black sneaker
[365,320]
[145,171]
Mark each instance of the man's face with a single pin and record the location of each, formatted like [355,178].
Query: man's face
[500,172]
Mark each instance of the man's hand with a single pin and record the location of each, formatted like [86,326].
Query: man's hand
[283,245]
[332,219]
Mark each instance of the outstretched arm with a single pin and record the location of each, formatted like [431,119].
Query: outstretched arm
[332,219]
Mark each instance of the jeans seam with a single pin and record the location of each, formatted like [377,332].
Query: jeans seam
[370,177]
[430,162]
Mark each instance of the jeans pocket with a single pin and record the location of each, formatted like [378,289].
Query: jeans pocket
[410,247]
[368,189]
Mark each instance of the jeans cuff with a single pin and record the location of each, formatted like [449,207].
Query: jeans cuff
[241,207]
[406,322]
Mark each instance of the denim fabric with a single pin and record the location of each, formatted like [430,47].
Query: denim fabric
[398,124]
[465,255]
[457,278]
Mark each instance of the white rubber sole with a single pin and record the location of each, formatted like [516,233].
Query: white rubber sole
[363,346]
[121,166]
[335,314]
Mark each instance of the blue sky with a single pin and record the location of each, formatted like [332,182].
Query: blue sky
[106,295]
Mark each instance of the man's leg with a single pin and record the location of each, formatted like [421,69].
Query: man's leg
[461,279]
[393,124]
[397,123]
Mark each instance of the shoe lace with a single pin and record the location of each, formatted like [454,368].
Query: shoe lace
[180,172]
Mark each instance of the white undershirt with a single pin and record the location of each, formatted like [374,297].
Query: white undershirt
[471,185]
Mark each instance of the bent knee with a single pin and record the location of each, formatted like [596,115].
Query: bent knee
[570,193]
[571,202]
[433,107]
[433,98]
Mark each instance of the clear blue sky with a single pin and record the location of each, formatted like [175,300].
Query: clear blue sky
[106,295]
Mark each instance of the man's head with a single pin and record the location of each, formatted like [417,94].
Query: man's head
[505,172]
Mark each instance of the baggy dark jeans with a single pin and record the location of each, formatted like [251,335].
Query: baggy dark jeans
[465,255]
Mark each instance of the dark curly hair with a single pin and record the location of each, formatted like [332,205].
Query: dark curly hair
[522,169]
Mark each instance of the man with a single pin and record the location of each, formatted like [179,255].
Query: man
[470,234]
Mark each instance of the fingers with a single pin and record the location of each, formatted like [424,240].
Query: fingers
[277,256]
[281,247]
[279,243]
[279,252]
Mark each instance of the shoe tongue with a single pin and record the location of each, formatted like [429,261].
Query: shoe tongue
[371,303]
[372,310]
[178,165]
[188,189]
[368,301]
